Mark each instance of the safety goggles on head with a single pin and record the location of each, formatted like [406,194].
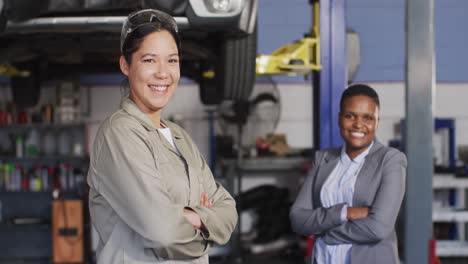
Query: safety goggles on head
[145,17]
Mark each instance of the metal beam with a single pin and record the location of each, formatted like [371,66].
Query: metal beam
[420,85]
[332,77]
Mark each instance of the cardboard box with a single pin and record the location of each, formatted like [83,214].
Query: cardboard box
[67,231]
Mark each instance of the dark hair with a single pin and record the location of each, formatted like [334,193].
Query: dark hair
[131,41]
[359,89]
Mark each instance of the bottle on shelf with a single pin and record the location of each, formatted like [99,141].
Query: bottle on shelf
[45,178]
[79,181]
[70,179]
[32,144]
[49,145]
[48,113]
[77,147]
[23,118]
[54,179]
[3,114]
[64,144]
[19,146]
[6,176]
[12,114]
[16,178]
[25,181]
[1,176]
[35,181]
[63,178]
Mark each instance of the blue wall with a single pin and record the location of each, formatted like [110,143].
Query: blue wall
[381,25]
[451,29]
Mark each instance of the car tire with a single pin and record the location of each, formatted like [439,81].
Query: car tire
[26,90]
[209,92]
[3,16]
[20,10]
[237,70]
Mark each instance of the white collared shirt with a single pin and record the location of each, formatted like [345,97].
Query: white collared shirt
[339,188]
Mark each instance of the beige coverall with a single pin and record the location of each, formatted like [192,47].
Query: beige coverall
[139,186]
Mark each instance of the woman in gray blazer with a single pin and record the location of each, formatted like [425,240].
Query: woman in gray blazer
[352,195]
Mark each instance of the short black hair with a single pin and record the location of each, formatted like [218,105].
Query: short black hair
[359,89]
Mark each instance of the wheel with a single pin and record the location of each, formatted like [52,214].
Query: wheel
[19,10]
[209,92]
[3,16]
[236,74]
[26,90]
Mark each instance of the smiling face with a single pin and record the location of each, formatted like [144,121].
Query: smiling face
[358,121]
[153,73]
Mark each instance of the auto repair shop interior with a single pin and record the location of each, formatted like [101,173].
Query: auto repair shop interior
[259,94]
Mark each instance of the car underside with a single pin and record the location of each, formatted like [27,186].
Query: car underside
[58,38]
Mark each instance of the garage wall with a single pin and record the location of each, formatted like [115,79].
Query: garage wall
[296,113]
[296,118]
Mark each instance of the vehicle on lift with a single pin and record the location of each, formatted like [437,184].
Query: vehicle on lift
[48,39]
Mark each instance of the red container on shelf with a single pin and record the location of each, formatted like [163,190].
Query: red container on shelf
[22,118]
[3,118]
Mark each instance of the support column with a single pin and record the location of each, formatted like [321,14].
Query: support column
[420,85]
[330,82]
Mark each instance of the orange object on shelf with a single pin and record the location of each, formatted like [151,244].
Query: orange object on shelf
[67,231]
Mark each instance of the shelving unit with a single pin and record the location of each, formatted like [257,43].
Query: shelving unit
[25,241]
[26,214]
[457,213]
[55,126]
[451,248]
[42,160]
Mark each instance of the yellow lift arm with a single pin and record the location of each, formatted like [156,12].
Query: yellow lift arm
[298,58]
[12,71]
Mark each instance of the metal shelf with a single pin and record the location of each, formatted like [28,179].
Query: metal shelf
[449,215]
[458,215]
[24,227]
[41,126]
[25,231]
[451,248]
[449,181]
[47,159]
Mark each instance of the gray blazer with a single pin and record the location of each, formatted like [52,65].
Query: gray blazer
[380,185]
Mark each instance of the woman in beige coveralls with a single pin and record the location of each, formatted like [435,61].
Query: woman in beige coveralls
[153,198]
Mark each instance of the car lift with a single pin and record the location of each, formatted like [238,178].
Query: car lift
[298,58]
[12,71]
[322,51]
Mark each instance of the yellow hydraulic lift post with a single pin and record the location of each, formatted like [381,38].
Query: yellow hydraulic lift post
[297,58]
